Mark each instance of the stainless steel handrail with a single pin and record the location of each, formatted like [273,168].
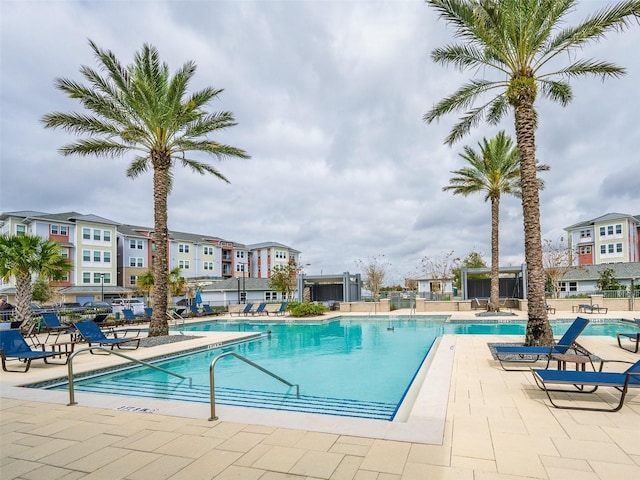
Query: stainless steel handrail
[109,351]
[249,362]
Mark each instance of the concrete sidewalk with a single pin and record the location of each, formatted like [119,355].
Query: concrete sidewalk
[498,426]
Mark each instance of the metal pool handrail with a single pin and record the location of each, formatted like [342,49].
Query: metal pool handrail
[249,362]
[111,352]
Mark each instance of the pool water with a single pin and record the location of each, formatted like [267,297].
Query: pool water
[363,366]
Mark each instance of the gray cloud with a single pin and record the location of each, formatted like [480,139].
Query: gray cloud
[329,98]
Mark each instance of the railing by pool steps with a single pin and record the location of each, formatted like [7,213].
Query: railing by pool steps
[248,362]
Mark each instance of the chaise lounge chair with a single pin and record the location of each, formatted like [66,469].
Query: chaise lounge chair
[209,311]
[630,378]
[282,309]
[246,311]
[194,310]
[53,326]
[595,308]
[634,337]
[14,346]
[260,310]
[532,354]
[91,333]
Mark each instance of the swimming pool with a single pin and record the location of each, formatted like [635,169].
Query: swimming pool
[349,366]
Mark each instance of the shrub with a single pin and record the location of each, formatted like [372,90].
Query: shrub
[297,309]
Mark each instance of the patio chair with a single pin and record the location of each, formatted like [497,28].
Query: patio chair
[595,308]
[209,311]
[92,334]
[246,311]
[565,345]
[282,310]
[53,326]
[260,310]
[130,319]
[14,346]
[148,311]
[630,378]
[550,309]
[634,337]
[194,310]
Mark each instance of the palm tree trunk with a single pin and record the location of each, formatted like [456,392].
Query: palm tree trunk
[538,328]
[494,300]
[159,324]
[23,296]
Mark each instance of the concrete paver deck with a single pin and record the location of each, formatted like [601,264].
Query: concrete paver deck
[498,425]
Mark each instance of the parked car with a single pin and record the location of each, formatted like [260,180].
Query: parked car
[103,306]
[69,307]
[135,304]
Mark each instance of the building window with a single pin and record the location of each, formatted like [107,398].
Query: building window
[610,248]
[239,254]
[602,231]
[139,244]
[86,234]
[133,280]
[240,267]
[183,248]
[97,256]
[270,296]
[106,235]
[610,230]
[21,230]
[568,286]
[184,264]
[208,250]
[585,250]
[54,229]
[132,244]
[208,265]
[64,253]
[106,257]
[86,255]
[96,234]
[86,277]
[618,248]
[603,249]
[135,262]
[585,233]
[619,229]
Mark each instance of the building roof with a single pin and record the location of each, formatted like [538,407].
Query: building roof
[621,271]
[271,244]
[605,218]
[68,217]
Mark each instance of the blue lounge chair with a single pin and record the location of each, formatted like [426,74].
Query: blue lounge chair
[194,310]
[532,354]
[148,311]
[53,326]
[246,311]
[282,309]
[630,378]
[91,333]
[260,310]
[14,346]
[209,311]
[634,337]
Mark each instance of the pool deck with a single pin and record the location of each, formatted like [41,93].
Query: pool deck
[482,423]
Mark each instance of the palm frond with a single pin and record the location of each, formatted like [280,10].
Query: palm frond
[588,67]
[79,123]
[216,149]
[95,146]
[201,168]
[462,99]
[557,91]
[139,166]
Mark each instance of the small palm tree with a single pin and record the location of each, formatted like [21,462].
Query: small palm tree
[494,171]
[26,256]
[145,283]
[142,109]
[516,44]
[175,282]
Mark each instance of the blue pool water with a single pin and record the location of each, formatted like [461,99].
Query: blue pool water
[349,366]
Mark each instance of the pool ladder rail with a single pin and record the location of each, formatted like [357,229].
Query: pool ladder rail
[168,372]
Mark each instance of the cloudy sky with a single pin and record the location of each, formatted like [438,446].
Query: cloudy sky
[329,98]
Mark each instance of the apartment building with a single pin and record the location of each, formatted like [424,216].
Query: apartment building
[88,241]
[611,238]
[108,257]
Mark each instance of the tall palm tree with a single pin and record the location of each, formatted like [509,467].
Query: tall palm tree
[142,109]
[494,170]
[26,256]
[516,43]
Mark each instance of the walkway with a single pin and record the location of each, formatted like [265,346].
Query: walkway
[498,426]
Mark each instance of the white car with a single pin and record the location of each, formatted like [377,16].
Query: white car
[135,304]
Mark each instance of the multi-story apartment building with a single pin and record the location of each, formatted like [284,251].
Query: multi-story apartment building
[610,238]
[88,241]
[263,257]
[108,257]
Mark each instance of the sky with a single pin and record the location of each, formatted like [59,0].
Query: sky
[329,98]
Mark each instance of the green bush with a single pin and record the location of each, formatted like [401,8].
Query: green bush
[297,309]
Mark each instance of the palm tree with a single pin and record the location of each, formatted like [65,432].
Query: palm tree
[520,41]
[495,170]
[142,109]
[25,256]
[175,282]
[145,283]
